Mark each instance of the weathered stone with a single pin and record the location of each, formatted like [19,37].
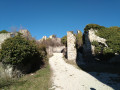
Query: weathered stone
[44,37]
[78,31]
[4,36]
[26,33]
[9,71]
[89,37]
[71,46]
[93,37]
[58,49]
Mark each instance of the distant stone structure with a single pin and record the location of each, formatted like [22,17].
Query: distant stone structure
[44,37]
[4,36]
[71,49]
[57,49]
[52,36]
[78,31]
[25,33]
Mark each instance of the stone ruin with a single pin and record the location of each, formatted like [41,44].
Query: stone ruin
[89,37]
[44,37]
[55,47]
[25,33]
[71,46]
[9,70]
[4,36]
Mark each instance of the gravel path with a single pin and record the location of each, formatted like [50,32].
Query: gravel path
[67,77]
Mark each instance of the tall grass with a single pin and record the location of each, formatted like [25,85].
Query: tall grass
[39,80]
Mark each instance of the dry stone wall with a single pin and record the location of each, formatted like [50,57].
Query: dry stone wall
[71,49]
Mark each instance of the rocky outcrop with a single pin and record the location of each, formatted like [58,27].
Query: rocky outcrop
[89,37]
[9,71]
[93,37]
[71,46]
[44,37]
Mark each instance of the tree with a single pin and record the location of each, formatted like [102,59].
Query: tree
[3,31]
[18,50]
[64,40]
[79,39]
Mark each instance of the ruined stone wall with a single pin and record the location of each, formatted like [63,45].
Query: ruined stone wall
[93,37]
[4,36]
[89,37]
[26,34]
[71,48]
[58,49]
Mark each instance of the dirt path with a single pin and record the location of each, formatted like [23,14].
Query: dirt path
[67,77]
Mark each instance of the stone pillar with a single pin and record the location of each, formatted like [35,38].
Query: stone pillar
[71,48]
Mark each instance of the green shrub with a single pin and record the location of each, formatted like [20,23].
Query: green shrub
[95,43]
[54,36]
[3,31]
[79,41]
[42,51]
[64,40]
[18,50]
[93,26]
[112,36]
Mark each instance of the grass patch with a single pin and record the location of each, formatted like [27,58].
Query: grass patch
[40,80]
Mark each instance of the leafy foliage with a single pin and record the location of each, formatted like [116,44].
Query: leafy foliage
[79,40]
[54,36]
[112,36]
[18,50]
[3,31]
[95,43]
[64,40]
[93,26]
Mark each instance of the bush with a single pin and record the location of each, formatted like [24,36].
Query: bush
[54,36]
[95,43]
[79,40]
[42,51]
[64,40]
[3,31]
[18,50]
[93,26]
[112,36]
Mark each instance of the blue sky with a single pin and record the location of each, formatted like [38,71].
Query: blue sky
[47,17]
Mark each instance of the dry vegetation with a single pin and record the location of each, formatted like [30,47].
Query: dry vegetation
[39,80]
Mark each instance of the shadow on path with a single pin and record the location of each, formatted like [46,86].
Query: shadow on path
[106,73]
